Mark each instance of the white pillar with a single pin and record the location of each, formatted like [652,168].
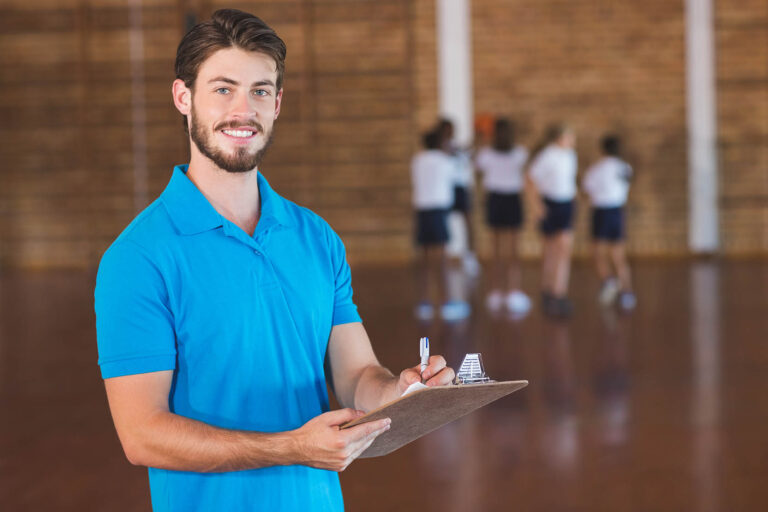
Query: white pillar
[454,79]
[703,234]
[454,64]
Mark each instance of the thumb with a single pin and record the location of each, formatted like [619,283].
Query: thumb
[411,375]
[408,377]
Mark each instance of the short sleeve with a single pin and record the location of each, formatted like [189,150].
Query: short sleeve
[134,324]
[344,309]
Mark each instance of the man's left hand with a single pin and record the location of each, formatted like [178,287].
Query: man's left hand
[435,374]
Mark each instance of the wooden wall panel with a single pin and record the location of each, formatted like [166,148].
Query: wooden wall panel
[68,94]
[357,116]
[68,149]
[601,67]
[360,87]
[742,95]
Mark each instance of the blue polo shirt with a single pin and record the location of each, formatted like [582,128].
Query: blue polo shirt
[242,320]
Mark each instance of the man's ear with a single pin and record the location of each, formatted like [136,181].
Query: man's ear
[278,102]
[182,97]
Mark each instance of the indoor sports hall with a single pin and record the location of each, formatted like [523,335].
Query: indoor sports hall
[645,349]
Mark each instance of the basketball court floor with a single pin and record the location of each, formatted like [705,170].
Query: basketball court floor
[663,409]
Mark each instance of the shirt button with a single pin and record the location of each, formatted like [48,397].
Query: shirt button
[257,253]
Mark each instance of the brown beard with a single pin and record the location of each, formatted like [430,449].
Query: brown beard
[240,160]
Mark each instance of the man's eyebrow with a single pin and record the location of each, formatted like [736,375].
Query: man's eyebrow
[223,79]
[235,82]
[263,82]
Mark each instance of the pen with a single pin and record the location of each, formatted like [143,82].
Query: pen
[424,353]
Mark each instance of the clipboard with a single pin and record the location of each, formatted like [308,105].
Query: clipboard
[423,411]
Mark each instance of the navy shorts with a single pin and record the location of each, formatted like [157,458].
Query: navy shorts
[559,217]
[504,210]
[462,200]
[608,224]
[432,226]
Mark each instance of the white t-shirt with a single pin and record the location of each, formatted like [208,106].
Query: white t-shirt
[554,173]
[432,179]
[502,170]
[607,182]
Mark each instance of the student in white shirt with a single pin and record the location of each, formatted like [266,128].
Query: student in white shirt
[463,181]
[607,184]
[431,177]
[502,168]
[553,177]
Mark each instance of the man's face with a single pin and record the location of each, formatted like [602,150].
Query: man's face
[234,104]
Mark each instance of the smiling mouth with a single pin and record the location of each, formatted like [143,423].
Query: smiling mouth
[241,134]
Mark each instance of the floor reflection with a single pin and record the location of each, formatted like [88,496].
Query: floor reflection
[706,406]
[611,380]
[661,410]
[560,432]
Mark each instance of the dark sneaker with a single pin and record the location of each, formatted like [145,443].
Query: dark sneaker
[558,307]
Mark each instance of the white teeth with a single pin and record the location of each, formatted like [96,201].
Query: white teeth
[238,133]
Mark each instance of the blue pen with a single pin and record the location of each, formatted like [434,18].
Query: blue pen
[424,353]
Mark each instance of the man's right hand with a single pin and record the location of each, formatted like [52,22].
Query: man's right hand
[322,444]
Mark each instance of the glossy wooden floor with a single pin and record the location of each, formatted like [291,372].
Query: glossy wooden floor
[661,410]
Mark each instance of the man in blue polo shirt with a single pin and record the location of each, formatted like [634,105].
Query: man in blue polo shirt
[221,307]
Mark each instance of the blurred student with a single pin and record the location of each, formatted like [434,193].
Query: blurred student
[432,179]
[502,167]
[607,184]
[553,176]
[462,190]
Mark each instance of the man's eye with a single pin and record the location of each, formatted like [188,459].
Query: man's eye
[222,90]
[261,92]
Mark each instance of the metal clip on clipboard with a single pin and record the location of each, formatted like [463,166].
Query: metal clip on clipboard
[472,370]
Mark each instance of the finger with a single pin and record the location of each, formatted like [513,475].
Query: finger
[368,441]
[362,444]
[443,378]
[436,363]
[359,432]
[340,416]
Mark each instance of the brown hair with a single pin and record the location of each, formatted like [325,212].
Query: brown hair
[553,133]
[227,28]
[503,135]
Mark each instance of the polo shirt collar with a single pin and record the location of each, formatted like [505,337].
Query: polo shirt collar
[273,208]
[192,213]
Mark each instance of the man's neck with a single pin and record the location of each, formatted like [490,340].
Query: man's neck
[234,195]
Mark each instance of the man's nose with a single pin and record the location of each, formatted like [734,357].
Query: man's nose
[243,106]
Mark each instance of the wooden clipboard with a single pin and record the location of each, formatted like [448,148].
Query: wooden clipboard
[423,411]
